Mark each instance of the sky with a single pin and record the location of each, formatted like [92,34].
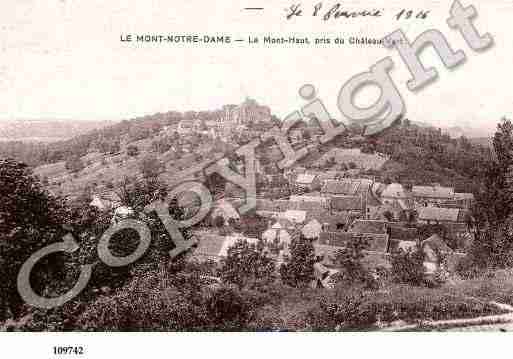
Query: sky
[63,59]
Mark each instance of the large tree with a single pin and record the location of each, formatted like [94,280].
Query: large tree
[29,220]
[498,190]
[298,271]
[247,265]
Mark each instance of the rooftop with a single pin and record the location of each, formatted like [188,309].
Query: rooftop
[439,214]
[432,192]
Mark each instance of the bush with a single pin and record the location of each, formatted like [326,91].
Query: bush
[351,311]
[74,164]
[247,265]
[162,145]
[160,301]
[357,309]
[298,271]
[150,166]
[408,266]
[132,150]
[349,260]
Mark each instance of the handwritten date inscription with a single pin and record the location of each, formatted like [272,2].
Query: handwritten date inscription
[337,11]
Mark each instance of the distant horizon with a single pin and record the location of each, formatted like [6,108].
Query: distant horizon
[468,131]
[463,125]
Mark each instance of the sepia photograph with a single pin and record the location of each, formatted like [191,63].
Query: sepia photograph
[254,167]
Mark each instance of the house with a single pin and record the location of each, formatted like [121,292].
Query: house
[393,192]
[435,251]
[209,247]
[329,175]
[389,211]
[295,136]
[225,210]
[404,245]
[403,238]
[377,188]
[309,199]
[425,195]
[433,215]
[323,276]
[372,205]
[105,201]
[307,182]
[376,242]
[403,233]
[369,227]
[465,200]
[277,235]
[215,247]
[122,213]
[344,187]
[278,239]
[270,206]
[307,206]
[376,255]
[283,223]
[349,204]
[312,230]
[293,216]
[100,203]
[335,222]
[185,126]
[461,234]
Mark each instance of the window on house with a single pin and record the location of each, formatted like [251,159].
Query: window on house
[340,226]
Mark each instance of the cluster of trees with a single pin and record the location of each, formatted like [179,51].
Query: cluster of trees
[426,156]
[31,219]
[494,210]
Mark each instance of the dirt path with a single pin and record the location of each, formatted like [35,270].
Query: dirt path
[498,322]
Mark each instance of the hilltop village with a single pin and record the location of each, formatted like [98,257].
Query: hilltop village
[334,196]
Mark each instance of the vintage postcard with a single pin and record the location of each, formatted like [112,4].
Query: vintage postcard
[255,166]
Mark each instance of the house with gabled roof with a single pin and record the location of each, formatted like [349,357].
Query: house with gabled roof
[312,230]
[225,210]
[435,251]
[307,182]
[404,238]
[105,201]
[278,235]
[335,222]
[215,247]
[403,233]
[372,205]
[375,255]
[345,187]
[282,223]
[390,211]
[294,216]
[369,227]
[346,204]
[436,192]
[464,200]
[393,192]
[431,195]
[433,215]
[323,276]
[309,199]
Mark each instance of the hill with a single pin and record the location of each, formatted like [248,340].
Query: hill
[46,130]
